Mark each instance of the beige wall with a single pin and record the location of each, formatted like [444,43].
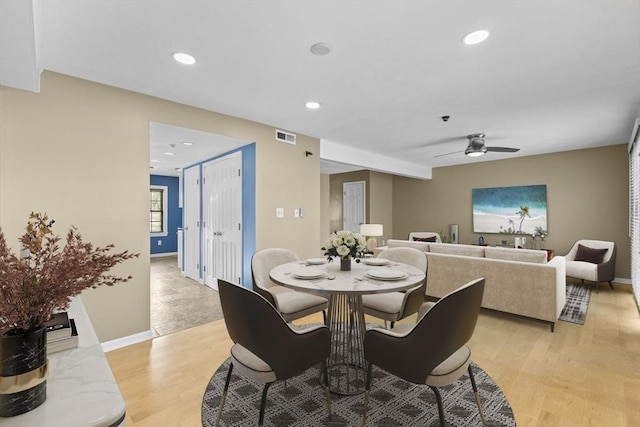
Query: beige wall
[325,208]
[587,198]
[80,151]
[381,203]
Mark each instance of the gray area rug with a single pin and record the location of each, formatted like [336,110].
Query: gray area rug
[392,402]
[575,309]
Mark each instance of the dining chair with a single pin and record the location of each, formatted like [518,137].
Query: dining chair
[266,348]
[291,304]
[394,306]
[434,350]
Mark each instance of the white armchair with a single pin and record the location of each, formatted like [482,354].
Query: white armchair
[592,260]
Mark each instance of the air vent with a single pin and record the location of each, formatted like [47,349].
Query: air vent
[289,138]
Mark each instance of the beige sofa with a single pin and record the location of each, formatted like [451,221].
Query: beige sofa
[517,281]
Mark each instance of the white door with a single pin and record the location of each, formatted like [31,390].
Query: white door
[222,219]
[353,205]
[191,226]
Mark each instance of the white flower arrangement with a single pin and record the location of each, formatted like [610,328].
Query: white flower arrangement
[344,245]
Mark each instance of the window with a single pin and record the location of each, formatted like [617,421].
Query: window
[158,210]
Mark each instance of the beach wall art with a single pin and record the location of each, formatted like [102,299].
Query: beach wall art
[510,210]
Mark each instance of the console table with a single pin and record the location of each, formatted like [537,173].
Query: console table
[81,389]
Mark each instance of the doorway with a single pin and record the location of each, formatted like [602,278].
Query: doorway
[222,219]
[178,297]
[353,205]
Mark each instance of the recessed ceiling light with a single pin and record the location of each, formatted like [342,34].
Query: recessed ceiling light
[312,105]
[476,37]
[320,49]
[155,161]
[184,58]
[189,143]
[168,153]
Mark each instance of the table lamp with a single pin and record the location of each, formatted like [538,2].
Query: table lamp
[371,231]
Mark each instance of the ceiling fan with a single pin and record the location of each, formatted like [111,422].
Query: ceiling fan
[477,148]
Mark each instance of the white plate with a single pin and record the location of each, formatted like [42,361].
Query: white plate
[308,273]
[316,261]
[386,274]
[375,261]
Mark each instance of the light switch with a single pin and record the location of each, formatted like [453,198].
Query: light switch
[296,213]
[279,212]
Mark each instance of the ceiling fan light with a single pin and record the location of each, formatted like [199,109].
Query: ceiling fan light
[474,153]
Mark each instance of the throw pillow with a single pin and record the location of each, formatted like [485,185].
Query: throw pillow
[592,255]
[431,239]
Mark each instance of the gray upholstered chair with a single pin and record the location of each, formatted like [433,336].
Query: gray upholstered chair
[434,350]
[291,304]
[394,306]
[592,260]
[266,348]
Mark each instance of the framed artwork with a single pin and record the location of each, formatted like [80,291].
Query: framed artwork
[510,210]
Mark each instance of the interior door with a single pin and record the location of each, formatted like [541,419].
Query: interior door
[222,218]
[353,205]
[191,229]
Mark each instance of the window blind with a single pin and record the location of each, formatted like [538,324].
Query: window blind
[634,208]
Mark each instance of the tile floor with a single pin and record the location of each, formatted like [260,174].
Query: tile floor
[177,302]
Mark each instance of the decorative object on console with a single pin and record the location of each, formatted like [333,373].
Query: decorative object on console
[345,245]
[371,231]
[540,233]
[453,229]
[509,210]
[33,286]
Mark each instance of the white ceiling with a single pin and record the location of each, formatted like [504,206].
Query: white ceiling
[553,76]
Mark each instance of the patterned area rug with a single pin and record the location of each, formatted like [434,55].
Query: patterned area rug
[392,402]
[575,309]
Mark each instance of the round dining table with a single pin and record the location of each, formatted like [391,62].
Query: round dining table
[345,317]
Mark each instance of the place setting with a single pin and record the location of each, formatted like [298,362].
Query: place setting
[387,274]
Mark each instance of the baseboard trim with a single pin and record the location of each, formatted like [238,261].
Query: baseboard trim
[622,281]
[126,341]
[163,254]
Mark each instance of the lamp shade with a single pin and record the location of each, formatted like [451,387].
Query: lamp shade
[371,229]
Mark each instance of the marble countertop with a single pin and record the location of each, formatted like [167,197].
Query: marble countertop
[355,281]
[81,389]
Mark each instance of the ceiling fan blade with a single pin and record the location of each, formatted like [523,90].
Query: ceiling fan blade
[447,154]
[503,149]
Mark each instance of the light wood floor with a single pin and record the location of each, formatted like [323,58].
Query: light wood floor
[581,375]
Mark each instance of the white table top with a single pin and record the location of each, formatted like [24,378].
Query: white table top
[346,282]
[81,389]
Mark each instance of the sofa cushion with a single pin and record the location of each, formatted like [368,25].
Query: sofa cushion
[592,255]
[421,246]
[512,254]
[453,249]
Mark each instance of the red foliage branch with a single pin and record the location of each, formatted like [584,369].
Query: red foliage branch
[45,278]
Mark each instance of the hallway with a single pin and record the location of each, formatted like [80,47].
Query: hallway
[179,303]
